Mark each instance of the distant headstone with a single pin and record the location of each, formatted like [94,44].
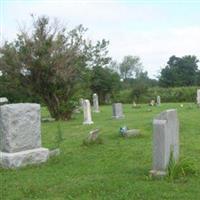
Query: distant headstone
[3,100]
[198,97]
[165,141]
[117,111]
[87,112]
[95,103]
[93,135]
[134,105]
[20,136]
[152,103]
[158,100]
[107,99]
[54,152]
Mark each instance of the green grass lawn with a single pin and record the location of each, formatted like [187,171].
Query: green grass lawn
[116,169]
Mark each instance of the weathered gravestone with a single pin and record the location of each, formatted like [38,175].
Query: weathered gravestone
[165,141]
[117,111]
[87,112]
[3,100]
[95,103]
[198,97]
[93,135]
[125,132]
[20,136]
[158,101]
[152,102]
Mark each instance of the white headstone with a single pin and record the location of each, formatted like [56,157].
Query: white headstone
[87,112]
[95,103]
[3,100]
[198,97]
[117,111]
[20,137]
[158,100]
[165,141]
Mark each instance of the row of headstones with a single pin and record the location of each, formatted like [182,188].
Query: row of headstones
[117,111]
[20,137]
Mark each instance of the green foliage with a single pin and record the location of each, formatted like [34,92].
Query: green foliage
[176,94]
[58,136]
[117,169]
[131,66]
[88,143]
[104,81]
[180,169]
[51,63]
[180,72]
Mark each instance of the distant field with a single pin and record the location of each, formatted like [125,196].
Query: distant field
[116,169]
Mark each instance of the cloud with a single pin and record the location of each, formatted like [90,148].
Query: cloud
[152,31]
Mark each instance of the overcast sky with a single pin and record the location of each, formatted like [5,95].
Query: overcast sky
[152,30]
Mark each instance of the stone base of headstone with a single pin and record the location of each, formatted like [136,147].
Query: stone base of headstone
[54,152]
[155,173]
[88,122]
[3,100]
[23,158]
[47,119]
[132,133]
[118,117]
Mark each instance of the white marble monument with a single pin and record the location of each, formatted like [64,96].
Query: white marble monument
[95,103]
[158,101]
[3,100]
[165,141]
[198,97]
[20,136]
[87,112]
[117,111]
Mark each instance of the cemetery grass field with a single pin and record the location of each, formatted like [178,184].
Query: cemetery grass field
[116,169]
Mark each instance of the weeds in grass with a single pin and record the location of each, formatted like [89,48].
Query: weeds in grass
[58,136]
[182,168]
[87,142]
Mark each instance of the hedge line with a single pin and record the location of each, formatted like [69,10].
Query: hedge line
[177,94]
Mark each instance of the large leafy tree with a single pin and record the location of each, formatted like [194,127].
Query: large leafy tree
[51,62]
[180,72]
[104,81]
[130,67]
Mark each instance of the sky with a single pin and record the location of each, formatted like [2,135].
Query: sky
[154,30]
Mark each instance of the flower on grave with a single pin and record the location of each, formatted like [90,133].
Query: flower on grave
[123,130]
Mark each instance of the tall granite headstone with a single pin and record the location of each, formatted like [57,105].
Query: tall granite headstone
[158,101]
[198,97]
[20,136]
[165,141]
[95,103]
[117,111]
[87,112]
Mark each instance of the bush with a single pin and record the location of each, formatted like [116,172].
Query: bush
[177,94]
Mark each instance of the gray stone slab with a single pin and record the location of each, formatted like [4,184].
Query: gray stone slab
[158,101]
[165,140]
[19,127]
[198,97]
[87,112]
[23,158]
[117,111]
[95,103]
[54,152]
